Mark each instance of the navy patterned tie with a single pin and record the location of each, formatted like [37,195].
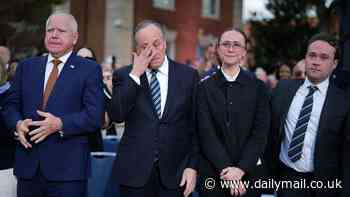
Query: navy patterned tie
[155,92]
[295,149]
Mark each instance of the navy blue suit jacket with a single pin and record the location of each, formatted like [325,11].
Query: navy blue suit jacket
[77,98]
[175,131]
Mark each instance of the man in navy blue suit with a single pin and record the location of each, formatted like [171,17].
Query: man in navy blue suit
[157,155]
[54,102]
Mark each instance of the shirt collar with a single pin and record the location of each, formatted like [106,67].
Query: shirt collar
[4,87]
[63,58]
[231,78]
[163,69]
[322,87]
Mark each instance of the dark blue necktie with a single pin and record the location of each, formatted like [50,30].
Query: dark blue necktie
[155,92]
[295,149]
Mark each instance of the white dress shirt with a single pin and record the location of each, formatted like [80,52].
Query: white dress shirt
[49,65]
[231,78]
[306,162]
[162,76]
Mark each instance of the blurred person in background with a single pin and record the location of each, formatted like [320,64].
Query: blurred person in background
[11,71]
[261,74]
[283,71]
[5,55]
[210,63]
[8,181]
[87,53]
[299,70]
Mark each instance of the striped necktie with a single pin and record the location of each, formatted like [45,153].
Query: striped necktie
[295,149]
[155,92]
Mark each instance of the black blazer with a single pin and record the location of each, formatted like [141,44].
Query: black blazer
[7,139]
[239,145]
[330,135]
[175,131]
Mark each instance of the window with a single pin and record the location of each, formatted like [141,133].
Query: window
[164,4]
[211,8]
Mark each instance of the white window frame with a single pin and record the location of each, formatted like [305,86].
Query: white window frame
[165,6]
[216,15]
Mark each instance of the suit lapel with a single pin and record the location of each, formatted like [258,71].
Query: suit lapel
[330,98]
[290,93]
[67,73]
[38,88]
[148,99]
[172,88]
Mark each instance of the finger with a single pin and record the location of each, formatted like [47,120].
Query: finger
[43,114]
[146,52]
[24,142]
[236,193]
[37,123]
[224,171]
[242,190]
[40,139]
[187,190]
[232,191]
[36,131]
[133,56]
[183,181]
[37,136]
[226,177]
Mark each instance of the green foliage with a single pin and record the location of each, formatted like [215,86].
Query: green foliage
[24,25]
[283,37]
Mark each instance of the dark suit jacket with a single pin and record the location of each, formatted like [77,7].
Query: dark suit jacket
[330,135]
[77,98]
[175,132]
[7,139]
[241,142]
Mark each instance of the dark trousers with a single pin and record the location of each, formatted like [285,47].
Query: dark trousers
[289,174]
[39,186]
[153,188]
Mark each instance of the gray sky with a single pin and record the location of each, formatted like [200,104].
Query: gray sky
[255,6]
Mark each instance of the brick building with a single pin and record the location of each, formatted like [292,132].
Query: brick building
[107,25]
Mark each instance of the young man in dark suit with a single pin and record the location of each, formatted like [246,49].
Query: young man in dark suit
[309,124]
[155,96]
[53,103]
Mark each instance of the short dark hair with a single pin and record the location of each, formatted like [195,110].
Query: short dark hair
[144,24]
[331,40]
[246,40]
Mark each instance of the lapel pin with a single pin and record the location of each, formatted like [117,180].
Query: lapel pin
[72,66]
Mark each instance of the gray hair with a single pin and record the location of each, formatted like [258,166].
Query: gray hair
[72,21]
[144,24]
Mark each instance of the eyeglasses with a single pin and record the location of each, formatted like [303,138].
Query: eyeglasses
[233,45]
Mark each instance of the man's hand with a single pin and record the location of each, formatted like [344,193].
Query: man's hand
[141,61]
[189,177]
[49,125]
[22,130]
[240,190]
[232,173]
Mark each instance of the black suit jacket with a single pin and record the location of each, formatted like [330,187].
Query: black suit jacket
[7,139]
[241,142]
[330,135]
[175,131]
